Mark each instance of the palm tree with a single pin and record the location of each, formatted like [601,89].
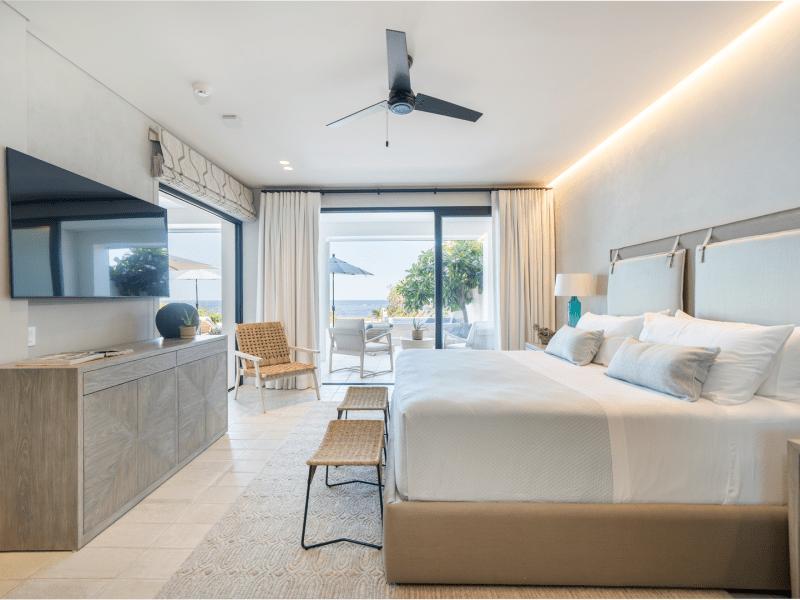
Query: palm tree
[377,313]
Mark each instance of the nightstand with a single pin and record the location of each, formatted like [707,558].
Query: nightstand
[535,347]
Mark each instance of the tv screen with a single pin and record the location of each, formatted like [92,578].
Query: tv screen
[71,237]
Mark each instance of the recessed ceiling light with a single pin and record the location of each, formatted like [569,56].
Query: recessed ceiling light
[287,168]
[232,121]
[284,162]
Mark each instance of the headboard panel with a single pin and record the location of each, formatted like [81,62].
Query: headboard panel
[646,284]
[753,280]
[762,225]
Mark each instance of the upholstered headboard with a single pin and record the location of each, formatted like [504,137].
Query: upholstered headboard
[646,284]
[753,280]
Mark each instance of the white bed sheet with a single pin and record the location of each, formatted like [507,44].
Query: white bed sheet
[663,450]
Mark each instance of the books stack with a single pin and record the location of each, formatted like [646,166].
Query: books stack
[66,359]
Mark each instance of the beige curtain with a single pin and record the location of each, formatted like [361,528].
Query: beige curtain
[288,272]
[523,224]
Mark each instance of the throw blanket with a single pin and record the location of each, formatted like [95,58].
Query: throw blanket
[481,427]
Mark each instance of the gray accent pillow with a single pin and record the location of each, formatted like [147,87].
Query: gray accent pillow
[578,346]
[678,371]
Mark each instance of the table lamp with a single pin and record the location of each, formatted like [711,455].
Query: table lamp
[574,285]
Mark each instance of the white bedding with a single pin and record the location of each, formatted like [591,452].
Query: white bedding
[526,426]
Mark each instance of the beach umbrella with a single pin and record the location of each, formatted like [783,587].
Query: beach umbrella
[196,274]
[340,267]
[177,263]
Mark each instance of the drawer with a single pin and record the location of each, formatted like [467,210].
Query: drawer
[188,355]
[101,379]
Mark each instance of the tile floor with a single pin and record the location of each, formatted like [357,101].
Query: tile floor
[135,556]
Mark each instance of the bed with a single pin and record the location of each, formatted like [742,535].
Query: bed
[520,468]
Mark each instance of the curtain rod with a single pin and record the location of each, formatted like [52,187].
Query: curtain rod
[406,190]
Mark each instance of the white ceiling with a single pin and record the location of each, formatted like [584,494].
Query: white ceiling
[553,79]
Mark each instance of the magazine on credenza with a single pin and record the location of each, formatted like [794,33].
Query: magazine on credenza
[66,359]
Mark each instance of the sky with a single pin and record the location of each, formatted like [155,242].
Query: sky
[387,260]
[202,247]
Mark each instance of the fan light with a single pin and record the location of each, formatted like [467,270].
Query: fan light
[288,169]
[401,108]
[284,162]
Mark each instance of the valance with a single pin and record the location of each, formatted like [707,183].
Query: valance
[182,167]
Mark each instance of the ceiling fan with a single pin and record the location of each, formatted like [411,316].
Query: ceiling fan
[402,100]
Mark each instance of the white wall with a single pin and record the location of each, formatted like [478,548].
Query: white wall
[13,133]
[78,124]
[54,111]
[726,148]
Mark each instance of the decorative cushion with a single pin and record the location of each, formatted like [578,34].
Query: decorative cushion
[783,381]
[578,346]
[679,371]
[746,358]
[615,330]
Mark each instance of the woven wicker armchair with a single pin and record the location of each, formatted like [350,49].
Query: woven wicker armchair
[265,355]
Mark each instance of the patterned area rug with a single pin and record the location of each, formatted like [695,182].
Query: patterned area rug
[254,550]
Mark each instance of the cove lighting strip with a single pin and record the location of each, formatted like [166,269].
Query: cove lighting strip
[752,33]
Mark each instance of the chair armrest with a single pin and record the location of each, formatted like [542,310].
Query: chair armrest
[377,337]
[255,359]
[448,335]
[303,350]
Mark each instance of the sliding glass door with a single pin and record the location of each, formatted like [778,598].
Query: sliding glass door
[467,308]
[427,268]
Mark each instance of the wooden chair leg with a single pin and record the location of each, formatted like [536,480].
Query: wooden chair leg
[316,384]
[236,385]
[260,385]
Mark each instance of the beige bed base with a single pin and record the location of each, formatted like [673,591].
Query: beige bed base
[630,545]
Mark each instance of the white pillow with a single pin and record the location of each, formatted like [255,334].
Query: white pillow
[616,330]
[783,381]
[746,358]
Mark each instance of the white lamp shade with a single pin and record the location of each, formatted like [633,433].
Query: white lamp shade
[575,284]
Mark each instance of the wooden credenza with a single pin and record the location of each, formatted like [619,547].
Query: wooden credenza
[82,445]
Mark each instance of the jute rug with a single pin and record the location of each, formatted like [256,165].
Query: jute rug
[254,550]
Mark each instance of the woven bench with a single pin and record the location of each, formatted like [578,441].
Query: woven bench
[362,397]
[347,443]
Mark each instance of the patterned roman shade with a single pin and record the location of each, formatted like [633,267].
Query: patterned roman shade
[181,167]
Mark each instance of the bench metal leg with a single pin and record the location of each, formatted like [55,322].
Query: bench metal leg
[311,470]
[351,481]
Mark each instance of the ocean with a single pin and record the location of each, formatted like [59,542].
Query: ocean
[356,309]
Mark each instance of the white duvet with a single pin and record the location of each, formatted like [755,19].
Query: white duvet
[526,426]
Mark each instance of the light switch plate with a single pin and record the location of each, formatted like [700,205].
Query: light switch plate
[31,336]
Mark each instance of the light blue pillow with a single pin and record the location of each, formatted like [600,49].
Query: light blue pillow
[578,346]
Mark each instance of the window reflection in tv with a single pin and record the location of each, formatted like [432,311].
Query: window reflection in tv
[72,237]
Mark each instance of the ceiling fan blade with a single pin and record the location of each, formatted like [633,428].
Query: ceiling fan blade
[446,109]
[397,57]
[370,110]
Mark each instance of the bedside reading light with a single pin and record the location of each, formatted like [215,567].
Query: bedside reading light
[573,285]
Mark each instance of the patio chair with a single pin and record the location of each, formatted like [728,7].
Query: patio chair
[265,355]
[477,338]
[350,337]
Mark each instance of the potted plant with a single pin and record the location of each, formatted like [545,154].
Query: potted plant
[417,329]
[545,334]
[189,326]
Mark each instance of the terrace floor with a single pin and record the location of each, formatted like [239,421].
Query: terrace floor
[379,363]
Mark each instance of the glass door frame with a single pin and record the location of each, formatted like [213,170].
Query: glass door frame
[438,213]
[238,253]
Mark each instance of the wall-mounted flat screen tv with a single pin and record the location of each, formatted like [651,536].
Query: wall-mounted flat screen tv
[71,237]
